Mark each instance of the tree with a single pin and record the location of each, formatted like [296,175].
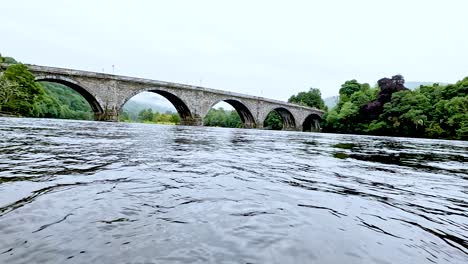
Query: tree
[125,117]
[20,94]
[407,113]
[175,118]
[451,115]
[146,115]
[345,117]
[363,97]
[462,132]
[60,101]
[273,121]
[8,90]
[222,118]
[437,111]
[349,87]
[7,60]
[312,98]
[27,91]
[387,87]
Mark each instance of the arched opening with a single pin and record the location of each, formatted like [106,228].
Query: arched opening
[157,107]
[229,113]
[311,123]
[280,119]
[67,100]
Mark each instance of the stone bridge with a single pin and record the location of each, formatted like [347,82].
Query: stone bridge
[107,94]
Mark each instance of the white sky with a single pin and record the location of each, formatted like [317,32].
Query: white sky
[268,48]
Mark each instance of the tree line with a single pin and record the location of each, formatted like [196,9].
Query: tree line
[222,118]
[148,116]
[391,109]
[388,108]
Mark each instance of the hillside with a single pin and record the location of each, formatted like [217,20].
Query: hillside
[331,101]
[150,100]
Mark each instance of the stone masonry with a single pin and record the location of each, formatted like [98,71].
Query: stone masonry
[108,93]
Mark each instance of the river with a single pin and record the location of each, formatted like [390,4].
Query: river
[95,192]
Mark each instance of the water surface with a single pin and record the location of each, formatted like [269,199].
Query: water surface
[94,192]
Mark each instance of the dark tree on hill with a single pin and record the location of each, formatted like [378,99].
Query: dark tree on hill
[387,87]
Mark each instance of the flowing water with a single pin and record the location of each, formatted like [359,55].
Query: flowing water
[89,192]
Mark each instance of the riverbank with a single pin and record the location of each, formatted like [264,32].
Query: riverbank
[5,114]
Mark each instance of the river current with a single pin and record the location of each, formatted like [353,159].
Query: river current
[95,192]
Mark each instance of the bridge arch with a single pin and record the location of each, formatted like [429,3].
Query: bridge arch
[241,108]
[185,114]
[96,106]
[311,123]
[289,122]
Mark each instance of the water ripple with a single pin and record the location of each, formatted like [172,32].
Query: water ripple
[132,193]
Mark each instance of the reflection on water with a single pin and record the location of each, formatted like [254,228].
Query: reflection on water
[86,192]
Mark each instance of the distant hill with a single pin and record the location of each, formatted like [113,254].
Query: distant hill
[148,100]
[135,106]
[330,102]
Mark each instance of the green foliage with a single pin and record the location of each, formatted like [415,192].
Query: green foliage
[222,118]
[165,118]
[175,118]
[345,117]
[451,115]
[454,90]
[312,98]
[21,91]
[435,111]
[379,128]
[273,121]
[462,132]
[363,97]
[357,93]
[349,87]
[407,113]
[8,91]
[60,101]
[148,116]
[21,95]
[7,60]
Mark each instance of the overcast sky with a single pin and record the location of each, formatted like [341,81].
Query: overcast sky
[268,48]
